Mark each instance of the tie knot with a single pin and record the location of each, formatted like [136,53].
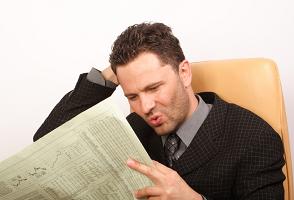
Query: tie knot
[171,145]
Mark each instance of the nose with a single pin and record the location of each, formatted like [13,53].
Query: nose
[147,104]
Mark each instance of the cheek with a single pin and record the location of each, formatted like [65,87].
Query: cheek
[164,100]
[164,107]
[167,95]
[134,106]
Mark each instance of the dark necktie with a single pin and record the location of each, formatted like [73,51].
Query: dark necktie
[171,145]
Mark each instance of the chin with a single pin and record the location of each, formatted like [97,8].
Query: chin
[161,131]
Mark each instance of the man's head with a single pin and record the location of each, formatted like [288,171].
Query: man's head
[154,38]
[154,75]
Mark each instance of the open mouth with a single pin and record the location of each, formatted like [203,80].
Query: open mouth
[155,121]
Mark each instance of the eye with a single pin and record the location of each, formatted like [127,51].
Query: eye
[132,98]
[154,88]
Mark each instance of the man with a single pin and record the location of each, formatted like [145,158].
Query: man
[204,147]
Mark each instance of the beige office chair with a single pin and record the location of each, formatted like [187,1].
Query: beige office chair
[253,84]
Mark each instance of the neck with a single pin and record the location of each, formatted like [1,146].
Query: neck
[193,102]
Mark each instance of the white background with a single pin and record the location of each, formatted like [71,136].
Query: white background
[46,44]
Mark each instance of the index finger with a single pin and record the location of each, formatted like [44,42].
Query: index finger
[150,171]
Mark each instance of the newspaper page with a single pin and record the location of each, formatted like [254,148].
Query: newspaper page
[84,159]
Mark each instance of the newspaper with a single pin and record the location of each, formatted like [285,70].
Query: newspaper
[84,159]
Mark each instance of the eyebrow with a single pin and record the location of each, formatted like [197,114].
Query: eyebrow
[146,88]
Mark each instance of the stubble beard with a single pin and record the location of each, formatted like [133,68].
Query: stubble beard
[176,114]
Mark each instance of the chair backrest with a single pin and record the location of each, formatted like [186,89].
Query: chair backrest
[255,85]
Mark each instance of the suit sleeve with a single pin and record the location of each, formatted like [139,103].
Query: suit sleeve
[260,173]
[85,95]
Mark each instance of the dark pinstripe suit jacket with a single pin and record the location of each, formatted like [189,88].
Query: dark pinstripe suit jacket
[234,155]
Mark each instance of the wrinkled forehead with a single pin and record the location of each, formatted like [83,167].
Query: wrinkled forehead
[145,63]
[143,72]
[142,76]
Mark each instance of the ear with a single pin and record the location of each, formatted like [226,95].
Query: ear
[185,73]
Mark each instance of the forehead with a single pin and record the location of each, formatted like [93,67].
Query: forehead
[142,63]
[143,70]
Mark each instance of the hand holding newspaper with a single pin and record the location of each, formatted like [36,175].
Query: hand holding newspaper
[84,159]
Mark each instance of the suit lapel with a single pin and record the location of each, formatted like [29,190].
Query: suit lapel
[150,140]
[204,145]
[155,148]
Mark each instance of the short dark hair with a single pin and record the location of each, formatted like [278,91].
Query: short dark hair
[154,38]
